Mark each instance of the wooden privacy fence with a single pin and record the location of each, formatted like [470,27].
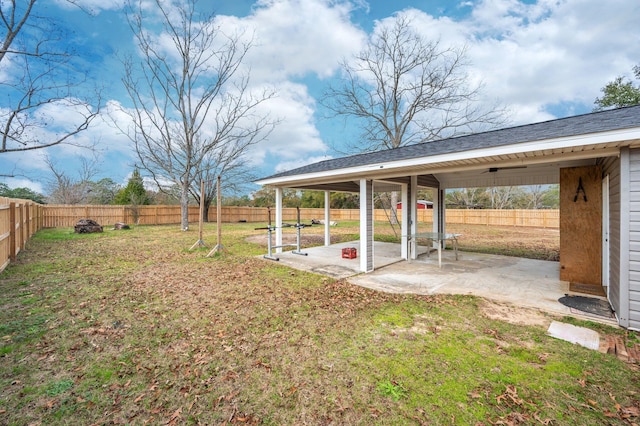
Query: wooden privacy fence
[19,220]
[68,215]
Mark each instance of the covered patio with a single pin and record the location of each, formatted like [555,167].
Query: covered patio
[525,283]
[595,159]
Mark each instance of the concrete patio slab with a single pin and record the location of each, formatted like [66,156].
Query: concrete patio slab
[517,281]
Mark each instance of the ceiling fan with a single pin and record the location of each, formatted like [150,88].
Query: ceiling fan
[496,169]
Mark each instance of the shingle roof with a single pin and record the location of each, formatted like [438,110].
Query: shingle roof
[602,121]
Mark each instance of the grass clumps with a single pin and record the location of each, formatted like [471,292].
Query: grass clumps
[132,328]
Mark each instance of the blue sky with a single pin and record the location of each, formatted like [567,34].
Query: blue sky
[541,59]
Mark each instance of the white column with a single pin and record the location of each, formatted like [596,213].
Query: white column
[413,202]
[405,229]
[436,209]
[278,220]
[327,218]
[442,211]
[366,226]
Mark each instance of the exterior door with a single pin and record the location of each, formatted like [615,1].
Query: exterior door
[581,228]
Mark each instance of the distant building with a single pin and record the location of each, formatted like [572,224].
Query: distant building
[421,204]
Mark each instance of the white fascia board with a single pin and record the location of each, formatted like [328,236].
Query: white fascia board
[621,135]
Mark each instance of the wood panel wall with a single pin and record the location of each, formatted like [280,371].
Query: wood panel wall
[581,226]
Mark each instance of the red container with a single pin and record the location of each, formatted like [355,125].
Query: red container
[349,253]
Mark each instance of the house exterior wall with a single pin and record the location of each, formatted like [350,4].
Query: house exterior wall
[611,167]
[634,239]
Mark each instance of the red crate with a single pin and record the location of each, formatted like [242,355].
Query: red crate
[349,253]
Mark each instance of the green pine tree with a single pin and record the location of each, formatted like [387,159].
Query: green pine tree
[134,193]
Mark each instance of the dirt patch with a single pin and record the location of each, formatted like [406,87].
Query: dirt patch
[514,314]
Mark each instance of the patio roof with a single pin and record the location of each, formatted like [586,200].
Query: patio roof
[521,155]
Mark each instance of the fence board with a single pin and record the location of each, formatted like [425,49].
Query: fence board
[19,220]
[5,233]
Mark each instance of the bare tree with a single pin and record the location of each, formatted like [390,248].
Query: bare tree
[467,198]
[535,197]
[64,188]
[405,89]
[191,101]
[41,73]
[505,197]
[221,163]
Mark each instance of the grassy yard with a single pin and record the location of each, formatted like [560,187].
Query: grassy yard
[130,327]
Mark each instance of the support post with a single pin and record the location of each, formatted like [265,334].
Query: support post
[219,247]
[12,231]
[366,225]
[278,220]
[438,211]
[200,242]
[327,218]
[413,216]
[405,229]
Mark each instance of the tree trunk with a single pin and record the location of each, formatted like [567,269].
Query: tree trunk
[205,212]
[184,205]
[393,218]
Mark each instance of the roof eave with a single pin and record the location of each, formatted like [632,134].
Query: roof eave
[553,144]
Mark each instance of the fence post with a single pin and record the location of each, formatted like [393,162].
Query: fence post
[28,207]
[21,210]
[12,231]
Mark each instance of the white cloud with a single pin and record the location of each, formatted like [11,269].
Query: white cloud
[289,165]
[93,6]
[551,52]
[14,183]
[296,37]
[296,136]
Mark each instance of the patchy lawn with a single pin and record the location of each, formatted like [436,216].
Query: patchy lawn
[130,327]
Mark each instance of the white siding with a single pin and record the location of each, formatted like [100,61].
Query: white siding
[634,239]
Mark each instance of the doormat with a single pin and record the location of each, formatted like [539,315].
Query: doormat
[596,290]
[589,305]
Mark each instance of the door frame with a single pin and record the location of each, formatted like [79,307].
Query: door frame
[605,233]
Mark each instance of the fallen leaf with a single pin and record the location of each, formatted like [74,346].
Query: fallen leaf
[176,414]
[631,411]
[293,390]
